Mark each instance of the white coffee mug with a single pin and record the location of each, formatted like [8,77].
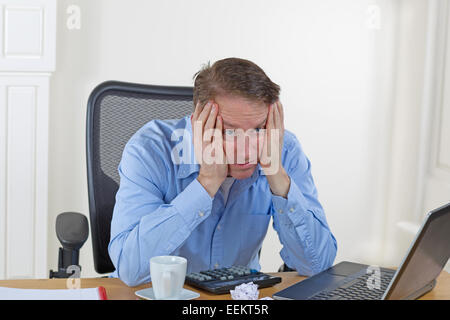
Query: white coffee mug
[167,275]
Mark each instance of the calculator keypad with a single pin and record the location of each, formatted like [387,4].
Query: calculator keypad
[222,274]
[225,279]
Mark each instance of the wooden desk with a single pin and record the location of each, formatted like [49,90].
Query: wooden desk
[117,290]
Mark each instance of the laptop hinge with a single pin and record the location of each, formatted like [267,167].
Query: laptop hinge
[422,291]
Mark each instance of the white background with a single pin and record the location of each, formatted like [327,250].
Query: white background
[352,86]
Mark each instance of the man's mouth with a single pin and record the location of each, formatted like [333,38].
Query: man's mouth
[245,165]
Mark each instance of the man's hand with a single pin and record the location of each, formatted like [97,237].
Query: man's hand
[207,127]
[270,157]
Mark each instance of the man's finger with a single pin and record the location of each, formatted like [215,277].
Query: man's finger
[208,129]
[219,128]
[198,109]
[211,120]
[271,116]
[277,117]
[281,112]
[204,114]
[218,141]
[270,127]
[264,153]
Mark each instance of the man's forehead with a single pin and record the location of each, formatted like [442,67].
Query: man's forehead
[236,125]
[239,112]
[235,101]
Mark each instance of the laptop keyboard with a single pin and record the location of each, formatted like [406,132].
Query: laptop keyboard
[357,289]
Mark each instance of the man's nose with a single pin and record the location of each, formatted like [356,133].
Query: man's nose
[244,149]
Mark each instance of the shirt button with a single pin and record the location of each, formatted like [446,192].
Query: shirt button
[218,227]
[201,213]
[280,211]
[291,209]
[216,265]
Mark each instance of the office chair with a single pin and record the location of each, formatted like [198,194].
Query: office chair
[115,111]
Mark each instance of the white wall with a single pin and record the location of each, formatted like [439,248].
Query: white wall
[334,65]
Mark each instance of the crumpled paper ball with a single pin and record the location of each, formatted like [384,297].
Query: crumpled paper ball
[247,291]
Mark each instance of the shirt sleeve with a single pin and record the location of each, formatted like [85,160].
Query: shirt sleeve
[308,244]
[143,224]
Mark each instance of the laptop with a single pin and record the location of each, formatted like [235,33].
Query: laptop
[424,261]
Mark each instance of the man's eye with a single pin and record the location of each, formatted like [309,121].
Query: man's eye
[229,132]
[234,132]
[254,131]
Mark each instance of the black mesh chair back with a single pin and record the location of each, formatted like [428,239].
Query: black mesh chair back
[115,111]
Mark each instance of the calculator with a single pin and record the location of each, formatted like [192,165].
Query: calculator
[223,280]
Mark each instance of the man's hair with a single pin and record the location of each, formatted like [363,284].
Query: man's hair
[234,76]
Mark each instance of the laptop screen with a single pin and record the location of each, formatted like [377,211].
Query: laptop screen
[426,257]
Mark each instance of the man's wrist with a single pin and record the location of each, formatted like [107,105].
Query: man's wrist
[279,183]
[211,185]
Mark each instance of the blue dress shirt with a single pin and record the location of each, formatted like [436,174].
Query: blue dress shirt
[162,209]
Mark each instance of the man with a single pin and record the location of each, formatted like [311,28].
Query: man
[238,168]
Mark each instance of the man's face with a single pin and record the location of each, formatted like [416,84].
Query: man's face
[241,115]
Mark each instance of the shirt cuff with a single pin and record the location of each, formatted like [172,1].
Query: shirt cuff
[290,208]
[194,204]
